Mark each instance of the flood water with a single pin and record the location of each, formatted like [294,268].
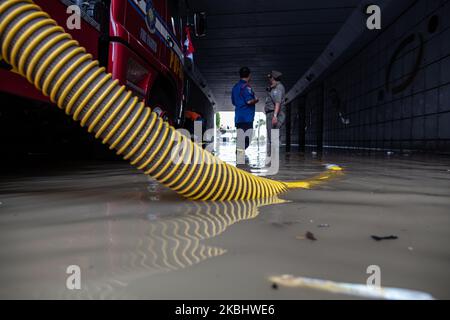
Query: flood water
[132,238]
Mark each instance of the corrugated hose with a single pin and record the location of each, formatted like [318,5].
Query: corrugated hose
[40,50]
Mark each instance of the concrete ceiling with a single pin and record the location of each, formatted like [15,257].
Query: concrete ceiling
[284,35]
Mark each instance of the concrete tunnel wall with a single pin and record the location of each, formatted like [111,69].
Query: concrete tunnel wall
[416,118]
[198,102]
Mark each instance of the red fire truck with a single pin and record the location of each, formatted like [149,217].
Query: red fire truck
[139,41]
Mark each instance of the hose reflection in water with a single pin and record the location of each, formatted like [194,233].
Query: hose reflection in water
[166,243]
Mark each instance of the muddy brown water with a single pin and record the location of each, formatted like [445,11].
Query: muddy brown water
[132,238]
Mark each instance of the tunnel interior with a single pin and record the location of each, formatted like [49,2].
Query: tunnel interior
[363,164]
[388,90]
[265,36]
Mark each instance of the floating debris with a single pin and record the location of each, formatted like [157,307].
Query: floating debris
[377,238]
[361,290]
[310,236]
[323,225]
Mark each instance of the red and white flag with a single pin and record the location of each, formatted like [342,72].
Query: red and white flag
[189,47]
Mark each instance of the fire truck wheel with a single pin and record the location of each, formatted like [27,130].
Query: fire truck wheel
[162,105]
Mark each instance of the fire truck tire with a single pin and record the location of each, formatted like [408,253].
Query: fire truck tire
[38,49]
[162,104]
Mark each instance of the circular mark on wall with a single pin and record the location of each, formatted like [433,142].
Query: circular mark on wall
[433,24]
[412,75]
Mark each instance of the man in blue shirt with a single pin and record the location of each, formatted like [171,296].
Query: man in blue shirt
[244,101]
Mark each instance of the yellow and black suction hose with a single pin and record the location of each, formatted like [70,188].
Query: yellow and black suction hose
[38,49]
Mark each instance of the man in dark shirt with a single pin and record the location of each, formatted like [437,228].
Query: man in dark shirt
[244,101]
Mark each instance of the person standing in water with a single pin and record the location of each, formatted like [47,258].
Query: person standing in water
[244,100]
[275,106]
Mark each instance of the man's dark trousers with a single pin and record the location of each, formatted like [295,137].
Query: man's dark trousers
[245,126]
